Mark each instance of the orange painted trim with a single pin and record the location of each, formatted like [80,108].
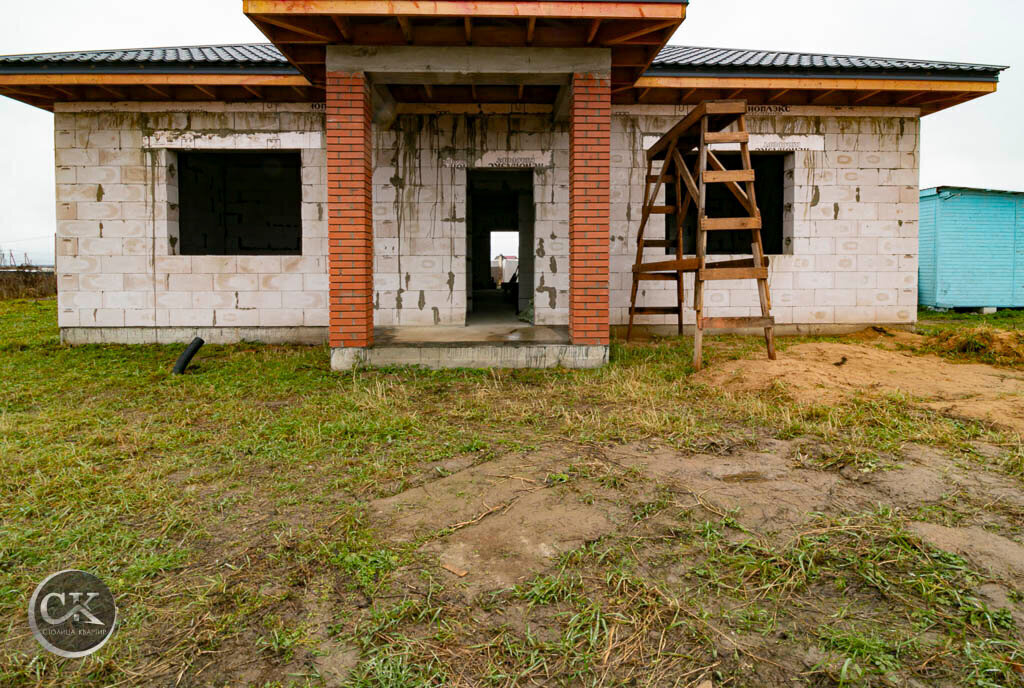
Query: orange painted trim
[773,83]
[141,79]
[469,8]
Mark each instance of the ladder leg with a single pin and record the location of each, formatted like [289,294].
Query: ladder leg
[648,201]
[680,217]
[698,329]
[769,332]
[632,307]
[757,248]
[698,283]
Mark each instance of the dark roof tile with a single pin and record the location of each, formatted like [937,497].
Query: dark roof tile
[253,53]
[688,59]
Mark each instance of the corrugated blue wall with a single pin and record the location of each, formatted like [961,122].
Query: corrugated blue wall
[926,248]
[971,248]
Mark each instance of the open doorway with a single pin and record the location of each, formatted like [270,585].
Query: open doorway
[499,251]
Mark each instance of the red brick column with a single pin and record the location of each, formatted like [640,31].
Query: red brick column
[589,179]
[349,210]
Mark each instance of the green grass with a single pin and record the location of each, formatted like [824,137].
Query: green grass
[1004,319]
[227,509]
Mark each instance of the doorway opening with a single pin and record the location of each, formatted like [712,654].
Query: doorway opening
[499,246]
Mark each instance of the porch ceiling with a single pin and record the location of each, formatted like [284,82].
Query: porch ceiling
[633,31]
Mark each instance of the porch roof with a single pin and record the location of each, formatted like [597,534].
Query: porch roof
[633,30]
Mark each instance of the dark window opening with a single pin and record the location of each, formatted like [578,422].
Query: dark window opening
[245,203]
[769,184]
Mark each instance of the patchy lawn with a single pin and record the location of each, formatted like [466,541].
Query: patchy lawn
[265,521]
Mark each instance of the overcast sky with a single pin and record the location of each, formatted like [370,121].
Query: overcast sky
[976,144]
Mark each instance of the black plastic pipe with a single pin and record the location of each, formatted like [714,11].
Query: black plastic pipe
[186,356]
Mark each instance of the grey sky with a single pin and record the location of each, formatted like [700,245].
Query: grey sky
[976,144]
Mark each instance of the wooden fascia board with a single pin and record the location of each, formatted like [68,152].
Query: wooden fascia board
[811,84]
[469,8]
[142,79]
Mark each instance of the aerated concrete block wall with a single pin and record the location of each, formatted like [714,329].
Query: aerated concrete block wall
[850,225]
[419,212]
[850,248]
[120,277]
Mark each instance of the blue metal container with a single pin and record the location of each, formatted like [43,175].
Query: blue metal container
[971,248]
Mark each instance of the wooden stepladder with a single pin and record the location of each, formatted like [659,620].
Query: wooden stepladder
[704,127]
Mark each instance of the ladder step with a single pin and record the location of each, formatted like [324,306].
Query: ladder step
[738,263]
[685,264]
[655,310]
[718,224]
[732,273]
[666,178]
[658,243]
[727,137]
[657,276]
[735,323]
[723,176]
[662,209]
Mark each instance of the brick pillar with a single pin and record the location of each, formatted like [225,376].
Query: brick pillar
[349,210]
[589,179]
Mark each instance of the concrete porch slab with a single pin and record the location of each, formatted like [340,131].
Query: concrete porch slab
[476,346]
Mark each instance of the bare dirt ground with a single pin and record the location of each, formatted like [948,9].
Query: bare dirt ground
[829,372]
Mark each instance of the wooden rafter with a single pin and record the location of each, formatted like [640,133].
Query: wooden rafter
[864,96]
[684,94]
[254,91]
[909,97]
[276,20]
[344,26]
[822,96]
[429,90]
[467,25]
[777,95]
[406,28]
[24,92]
[159,91]
[630,34]
[531,26]
[208,91]
[595,24]
[112,91]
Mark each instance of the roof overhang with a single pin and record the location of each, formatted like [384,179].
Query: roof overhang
[44,88]
[634,32]
[930,95]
